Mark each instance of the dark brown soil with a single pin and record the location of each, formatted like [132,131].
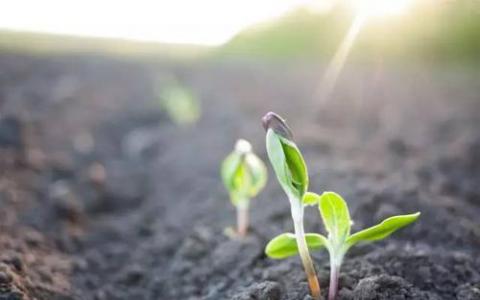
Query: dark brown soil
[103,197]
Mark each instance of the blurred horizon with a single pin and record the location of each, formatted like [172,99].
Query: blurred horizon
[397,30]
[208,22]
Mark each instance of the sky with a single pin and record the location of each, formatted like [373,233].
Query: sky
[203,22]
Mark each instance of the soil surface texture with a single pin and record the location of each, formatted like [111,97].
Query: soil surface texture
[104,197]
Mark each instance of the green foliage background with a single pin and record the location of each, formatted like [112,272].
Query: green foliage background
[432,31]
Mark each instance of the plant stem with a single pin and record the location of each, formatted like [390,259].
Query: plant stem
[242,219]
[334,272]
[297,214]
[335,263]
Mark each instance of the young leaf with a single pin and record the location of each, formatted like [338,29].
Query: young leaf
[382,230]
[288,164]
[277,158]
[243,173]
[230,169]
[258,174]
[285,244]
[335,215]
[310,199]
[296,165]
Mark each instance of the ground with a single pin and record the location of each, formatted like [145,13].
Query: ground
[103,197]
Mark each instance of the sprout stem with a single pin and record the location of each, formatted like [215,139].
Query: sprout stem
[336,259]
[242,219]
[334,270]
[297,214]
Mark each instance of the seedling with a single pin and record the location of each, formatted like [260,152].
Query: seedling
[180,103]
[292,174]
[244,175]
[336,218]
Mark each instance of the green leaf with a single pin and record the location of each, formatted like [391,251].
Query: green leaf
[311,199]
[285,245]
[296,165]
[277,159]
[230,169]
[243,173]
[181,105]
[257,172]
[335,215]
[288,164]
[382,230]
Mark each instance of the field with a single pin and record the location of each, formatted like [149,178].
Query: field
[103,196]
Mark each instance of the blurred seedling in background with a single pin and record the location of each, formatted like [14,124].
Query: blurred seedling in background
[244,175]
[336,219]
[292,174]
[180,103]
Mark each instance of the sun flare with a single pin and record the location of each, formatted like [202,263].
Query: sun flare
[380,8]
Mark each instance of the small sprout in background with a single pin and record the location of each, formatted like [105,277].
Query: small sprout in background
[244,175]
[180,104]
[291,171]
[336,219]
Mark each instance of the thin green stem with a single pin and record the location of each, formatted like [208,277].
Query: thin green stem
[297,215]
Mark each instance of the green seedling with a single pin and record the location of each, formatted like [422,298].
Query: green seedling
[336,219]
[292,174]
[244,175]
[180,104]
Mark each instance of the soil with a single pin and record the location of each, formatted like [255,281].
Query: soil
[103,197]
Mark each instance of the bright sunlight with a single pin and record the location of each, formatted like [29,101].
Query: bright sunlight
[206,22]
[364,9]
